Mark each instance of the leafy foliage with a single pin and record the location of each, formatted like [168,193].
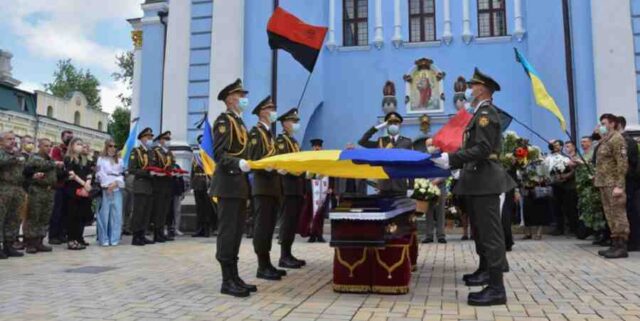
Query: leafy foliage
[125,75]
[589,202]
[119,125]
[67,79]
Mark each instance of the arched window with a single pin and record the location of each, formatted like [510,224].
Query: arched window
[100,126]
[76,118]
[422,20]
[49,111]
[355,22]
[492,19]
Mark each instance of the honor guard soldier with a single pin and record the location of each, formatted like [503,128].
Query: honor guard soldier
[482,180]
[292,190]
[265,189]
[200,181]
[230,186]
[142,188]
[11,193]
[162,158]
[392,122]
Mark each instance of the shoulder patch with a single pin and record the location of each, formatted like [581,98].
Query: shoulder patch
[254,141]
[483,121]
[222,128]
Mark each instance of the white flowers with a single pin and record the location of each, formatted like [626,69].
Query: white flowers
[424,189]
[511,133]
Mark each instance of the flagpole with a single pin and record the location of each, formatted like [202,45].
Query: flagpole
[584,161]
[523,125]
[304,90]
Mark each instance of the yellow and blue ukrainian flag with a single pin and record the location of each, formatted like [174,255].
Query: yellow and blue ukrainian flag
[130,144]
[206,149]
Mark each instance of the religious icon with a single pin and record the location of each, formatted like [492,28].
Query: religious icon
[424,89]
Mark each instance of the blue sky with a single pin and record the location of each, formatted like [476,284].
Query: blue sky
[89,32]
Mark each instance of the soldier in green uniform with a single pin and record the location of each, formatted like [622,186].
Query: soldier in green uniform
[265,189]
[392,122]
[11,193]
[142,188]
[611,170]
[292,190]
[482,180]
[200,182]
[161,157]
[41,173]
[230,186]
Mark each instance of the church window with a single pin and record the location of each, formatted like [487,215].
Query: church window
[355,20]
[422,20]
[492,21]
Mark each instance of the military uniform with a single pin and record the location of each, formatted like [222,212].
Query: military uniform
[265,192]
[293,196]
[205,212]
[611,169]
[142,191]
[389,187]
[482,180]
[40,204]
[162,158]
[11,198]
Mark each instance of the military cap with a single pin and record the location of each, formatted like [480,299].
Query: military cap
[393,117]
[292,114]
[480,78]
[145,132]
[166,135]
[316,142]
[230,89]
[265,103]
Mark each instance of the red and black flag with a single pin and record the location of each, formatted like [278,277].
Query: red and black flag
[301,40]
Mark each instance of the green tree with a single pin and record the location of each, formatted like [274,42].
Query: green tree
[119,125]
[125,75]
[67,79]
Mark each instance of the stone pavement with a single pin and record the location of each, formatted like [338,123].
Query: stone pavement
[553,279]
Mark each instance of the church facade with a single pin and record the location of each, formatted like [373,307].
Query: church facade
[586,52]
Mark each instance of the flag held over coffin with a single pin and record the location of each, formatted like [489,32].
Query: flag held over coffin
[301,40]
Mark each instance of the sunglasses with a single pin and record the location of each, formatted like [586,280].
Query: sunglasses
[111,146]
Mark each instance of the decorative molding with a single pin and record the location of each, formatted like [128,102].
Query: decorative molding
[150,21]
[331,42]
[494,39]
[425,44]
[353,48]
[136,37]
[447,36]
[378,40]
[467,35]
[397,25]
[158,6]
[519,31]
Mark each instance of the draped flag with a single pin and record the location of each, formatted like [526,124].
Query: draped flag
[376,163]
[449,138]
[301,40]
[206,149]
[129,144]
[543,99]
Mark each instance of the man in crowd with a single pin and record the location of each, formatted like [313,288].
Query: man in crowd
[57,229]
[205,213]
[11,193]
[562,177]
[585,143]
[482,180]
[230,186]
[632,188]
[142,188]
[162,159]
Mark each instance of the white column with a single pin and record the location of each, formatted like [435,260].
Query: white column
[466,23]
[397,25]
[379,37]
[331,42]
[613,59]
[137,38]
[447,36]
[176,72]
[519,31]
[227,54]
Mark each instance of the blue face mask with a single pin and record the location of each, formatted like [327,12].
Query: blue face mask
[393,130]
[468,94]
[468,108]
[603,130]
[243,103]
[148,144]
[273,116]
[295,127]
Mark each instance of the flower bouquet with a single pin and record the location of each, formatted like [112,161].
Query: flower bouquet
[424,192]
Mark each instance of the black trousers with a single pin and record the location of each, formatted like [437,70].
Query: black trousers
[78,212]
[205,212]
[266,216]
[484,212]
[231,215]
[508,208]
[162,196]
[633,213]
[289,215]
[565,207]
[142,208]
[58,221]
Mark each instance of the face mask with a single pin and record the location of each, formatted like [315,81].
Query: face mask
[468,94]
[603,130]
[166,144]
[468,108]
[295,127]
[273,116]
[28,148]
[393,130]
[148,144]
[243,103]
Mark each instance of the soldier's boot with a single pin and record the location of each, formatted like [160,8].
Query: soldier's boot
[2,255]
[321,239]
[199,233]
[608,250]
[312,239]
[287,260]
[619,250]
[158,236]
[138,239]
[480,269]
[171,235]
[146,240]
[9,250]
[265,270]
[229,286]
[493,294]
[30,245]
[40,245]
[239,281]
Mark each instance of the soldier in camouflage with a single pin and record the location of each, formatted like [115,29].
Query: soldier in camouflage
[11,193]
[611,170]
[41,173]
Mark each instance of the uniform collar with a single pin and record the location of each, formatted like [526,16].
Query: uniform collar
[480,104]
[264,126]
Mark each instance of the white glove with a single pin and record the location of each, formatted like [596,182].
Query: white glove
[442,161]
[268,169]
[383,125]
[244,166]
[282,172]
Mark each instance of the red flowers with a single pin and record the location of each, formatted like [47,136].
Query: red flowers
[521,152]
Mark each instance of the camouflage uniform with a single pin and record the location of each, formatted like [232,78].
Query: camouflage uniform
[611,170]
[41,192]
[11,194]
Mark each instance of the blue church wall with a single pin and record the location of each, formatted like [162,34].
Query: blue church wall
[585,97]
[151,81]
[199,64]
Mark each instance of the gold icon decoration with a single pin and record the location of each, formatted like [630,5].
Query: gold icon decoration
[483,121]
[136,37]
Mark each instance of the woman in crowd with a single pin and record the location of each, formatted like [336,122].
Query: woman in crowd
[110,175]
[77,192]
